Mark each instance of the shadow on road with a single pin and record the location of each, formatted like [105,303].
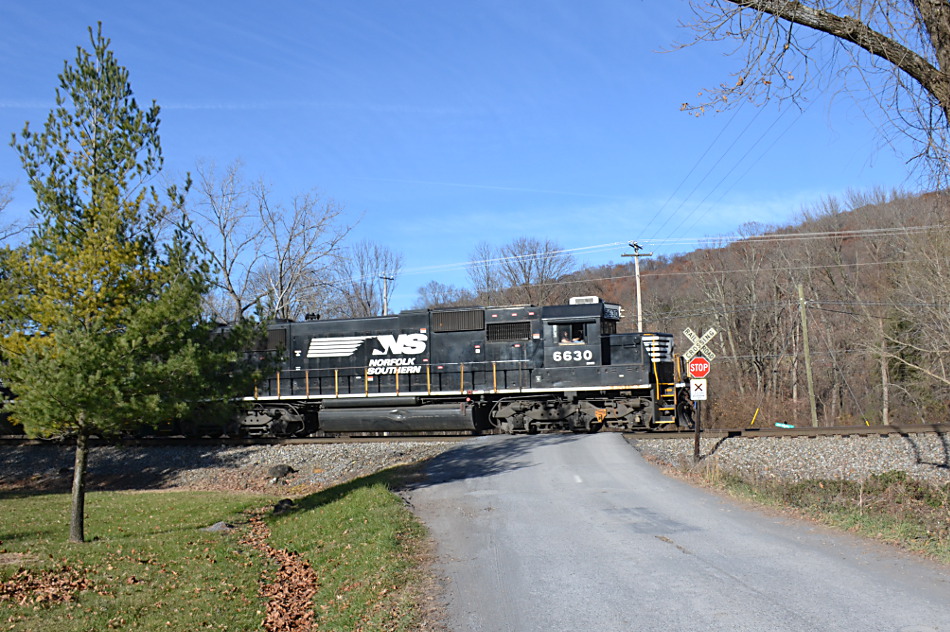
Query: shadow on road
[485,456]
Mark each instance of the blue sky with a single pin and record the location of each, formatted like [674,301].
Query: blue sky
[439,125]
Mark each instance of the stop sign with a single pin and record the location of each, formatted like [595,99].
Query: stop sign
[698,367]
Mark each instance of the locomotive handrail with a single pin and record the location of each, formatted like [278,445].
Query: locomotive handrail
[361,367]
[290,383]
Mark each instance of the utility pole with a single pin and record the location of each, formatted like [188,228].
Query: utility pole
[811,384]
[386,280]
[636,266]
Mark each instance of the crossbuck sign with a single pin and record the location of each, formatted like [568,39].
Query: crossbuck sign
[699,344]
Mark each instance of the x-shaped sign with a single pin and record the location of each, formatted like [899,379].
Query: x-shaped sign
[697,390]
[699,344]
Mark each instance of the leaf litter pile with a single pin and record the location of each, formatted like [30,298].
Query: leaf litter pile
[289,589]
[28,587]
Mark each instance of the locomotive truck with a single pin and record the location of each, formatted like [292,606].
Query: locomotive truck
[518,369]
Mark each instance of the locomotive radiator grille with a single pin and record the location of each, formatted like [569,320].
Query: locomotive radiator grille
[508,332]
[659,347]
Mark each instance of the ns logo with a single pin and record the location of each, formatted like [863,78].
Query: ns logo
[346,346]
[404,344]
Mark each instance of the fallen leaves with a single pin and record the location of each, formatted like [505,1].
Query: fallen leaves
[43,587]
[289,590]
[19,559]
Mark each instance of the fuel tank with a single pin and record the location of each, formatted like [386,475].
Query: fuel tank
[402,418]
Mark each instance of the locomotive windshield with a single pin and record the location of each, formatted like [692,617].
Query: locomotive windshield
[570,333]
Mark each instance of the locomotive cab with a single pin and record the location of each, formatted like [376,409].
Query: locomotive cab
[592,377]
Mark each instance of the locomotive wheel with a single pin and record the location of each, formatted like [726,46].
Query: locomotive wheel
[684,415]
[503,426]
[595,427]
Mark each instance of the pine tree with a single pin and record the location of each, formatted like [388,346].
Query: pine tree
[101,308]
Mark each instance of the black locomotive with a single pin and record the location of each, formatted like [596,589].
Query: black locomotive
[517,369]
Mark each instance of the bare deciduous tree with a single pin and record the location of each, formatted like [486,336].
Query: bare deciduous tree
[6,194]
[223,217]
[484,275]
[301,246]
[531,268]
[524,271]
[435,295]
[363,281]
[262,250]
[9,229]
[897,52]
[918,335]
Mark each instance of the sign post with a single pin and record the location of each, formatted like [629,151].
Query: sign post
[698,368]
[697,393]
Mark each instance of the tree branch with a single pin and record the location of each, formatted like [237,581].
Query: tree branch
[934,15]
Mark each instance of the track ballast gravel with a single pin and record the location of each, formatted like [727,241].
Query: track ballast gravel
[246,468]
[318,466]
[923,457]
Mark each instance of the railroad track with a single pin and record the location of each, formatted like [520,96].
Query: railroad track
[712,433]
[143,442]
[830,431]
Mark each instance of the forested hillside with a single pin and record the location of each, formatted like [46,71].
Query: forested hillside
[874,273]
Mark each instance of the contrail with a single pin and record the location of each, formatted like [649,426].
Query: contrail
[490,187]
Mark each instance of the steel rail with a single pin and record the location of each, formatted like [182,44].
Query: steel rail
[712,433]
[828,431]
[144,442]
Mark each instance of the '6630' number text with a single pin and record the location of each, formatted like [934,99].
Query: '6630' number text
[572,355]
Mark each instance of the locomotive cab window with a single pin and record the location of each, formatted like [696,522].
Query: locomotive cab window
[570,333]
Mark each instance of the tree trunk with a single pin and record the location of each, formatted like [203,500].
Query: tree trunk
[795,367]
[740,377]
[77,517]
[885,381]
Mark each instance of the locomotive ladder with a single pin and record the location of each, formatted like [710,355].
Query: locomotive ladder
[665,399]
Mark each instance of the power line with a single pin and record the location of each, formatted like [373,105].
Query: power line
[744,173]
[709,241]
[728,173]
[695,166]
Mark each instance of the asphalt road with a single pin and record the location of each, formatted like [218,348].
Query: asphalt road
[578,532]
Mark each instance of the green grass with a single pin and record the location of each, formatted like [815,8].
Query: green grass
[891,506]
[364,544]
[150,566]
